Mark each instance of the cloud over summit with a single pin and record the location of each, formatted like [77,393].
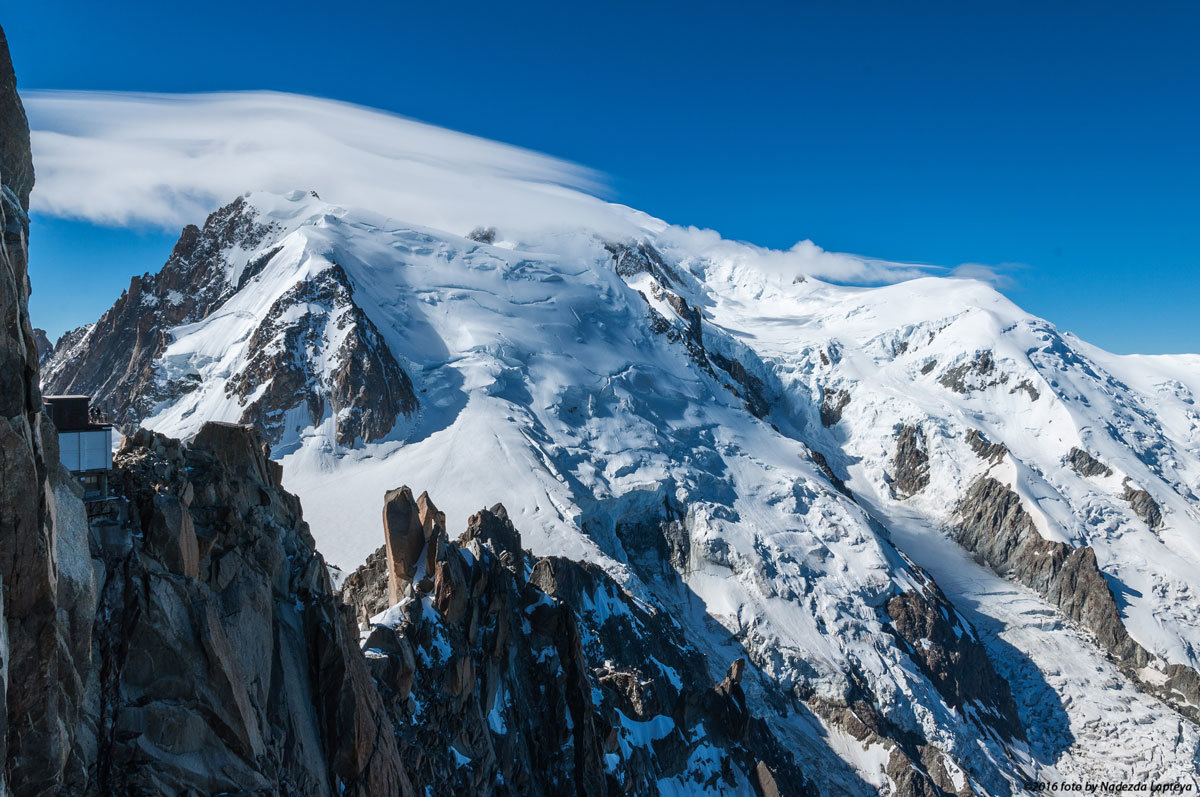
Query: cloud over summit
[163,160]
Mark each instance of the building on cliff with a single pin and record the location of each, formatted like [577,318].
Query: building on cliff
[84,443]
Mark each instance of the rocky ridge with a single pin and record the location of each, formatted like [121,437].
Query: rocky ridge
[543,675]
[213,578]
[118,360]
[992,522]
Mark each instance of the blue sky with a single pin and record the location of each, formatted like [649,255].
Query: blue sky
[1063,140]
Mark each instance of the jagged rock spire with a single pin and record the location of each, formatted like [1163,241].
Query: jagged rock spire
[408,527]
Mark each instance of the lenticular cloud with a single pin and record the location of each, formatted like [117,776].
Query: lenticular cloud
[167,159]
[164,160]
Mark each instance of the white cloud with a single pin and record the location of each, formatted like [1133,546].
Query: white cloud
[124,159]
[998,277]
[165,160]
[804,258]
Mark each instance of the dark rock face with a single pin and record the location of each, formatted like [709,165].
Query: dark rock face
[656,542]
[1143,505]
[690,334]
[116,360]
[910,464]
[18,352]
[16,164]
[751,387]
[366,589]
[947,651]
[484,235]
[993,452]
[832,405]
[992,523]
[690,315]
[975,374]
[367,390]
[494,529]
[224,662]
[638,257]
[951,657]
[1029,389]
[821,462]
[505,675]
[1086,465]
[41,690]
[632,259]
[915,767]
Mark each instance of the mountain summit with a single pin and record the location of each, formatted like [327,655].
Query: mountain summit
[953,543]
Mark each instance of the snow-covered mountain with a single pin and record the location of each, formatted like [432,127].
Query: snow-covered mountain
[958,547]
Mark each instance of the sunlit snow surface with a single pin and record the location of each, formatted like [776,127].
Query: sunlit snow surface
[542,385]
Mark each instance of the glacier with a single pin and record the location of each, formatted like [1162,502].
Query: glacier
[717,428]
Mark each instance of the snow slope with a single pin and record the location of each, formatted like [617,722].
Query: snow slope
[1135,414]
[610,398]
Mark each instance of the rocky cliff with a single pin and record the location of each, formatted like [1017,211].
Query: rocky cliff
[197,646]
[504,672]
[40,695]
[225,663]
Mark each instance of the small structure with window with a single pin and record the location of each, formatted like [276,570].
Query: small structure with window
[84,443]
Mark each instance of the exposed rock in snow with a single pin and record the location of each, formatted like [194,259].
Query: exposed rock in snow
[484,235]
[994,525]
[953,658]
[977,373]
[1143,505]
[832,405]
[366,388]
[993,452]
[1087,465]
[910,465]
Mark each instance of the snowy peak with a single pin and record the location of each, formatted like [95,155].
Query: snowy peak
[250,320]
[897,504]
